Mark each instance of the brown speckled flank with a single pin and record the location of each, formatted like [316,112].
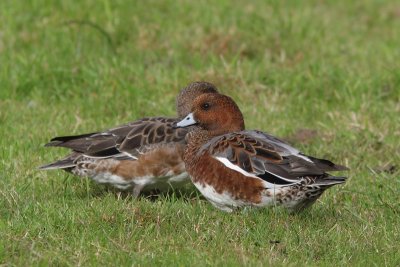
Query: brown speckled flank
[141,155]
[234,168]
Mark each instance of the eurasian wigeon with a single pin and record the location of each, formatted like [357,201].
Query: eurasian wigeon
[234,168]
[142,155]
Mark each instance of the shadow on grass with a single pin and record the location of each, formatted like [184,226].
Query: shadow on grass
[87,188]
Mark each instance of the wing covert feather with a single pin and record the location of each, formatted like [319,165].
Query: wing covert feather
[259,153]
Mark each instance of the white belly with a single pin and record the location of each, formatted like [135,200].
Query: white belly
[148,182]
[222,201]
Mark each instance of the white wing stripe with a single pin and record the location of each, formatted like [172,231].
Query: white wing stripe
[129,155]
[234,167]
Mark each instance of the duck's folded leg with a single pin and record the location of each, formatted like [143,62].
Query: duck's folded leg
[136,190]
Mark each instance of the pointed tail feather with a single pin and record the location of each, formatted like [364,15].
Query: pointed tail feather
[61,164]
[65,163]
[330,181]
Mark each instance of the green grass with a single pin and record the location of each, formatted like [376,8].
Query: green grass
[72,67]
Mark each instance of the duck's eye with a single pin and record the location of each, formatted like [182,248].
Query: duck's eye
[205,106]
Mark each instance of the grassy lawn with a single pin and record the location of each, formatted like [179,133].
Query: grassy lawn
[324,74]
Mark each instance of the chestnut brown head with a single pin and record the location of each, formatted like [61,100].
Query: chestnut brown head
[216,113]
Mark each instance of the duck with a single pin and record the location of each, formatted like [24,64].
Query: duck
[235,168]
[139,156]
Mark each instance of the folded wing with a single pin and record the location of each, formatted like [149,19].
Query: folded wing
[127,140]
[267,157]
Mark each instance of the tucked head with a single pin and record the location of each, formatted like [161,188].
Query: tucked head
[215,113]
[187,95]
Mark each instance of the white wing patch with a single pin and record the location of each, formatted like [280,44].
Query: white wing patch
[129,155]
[234,167]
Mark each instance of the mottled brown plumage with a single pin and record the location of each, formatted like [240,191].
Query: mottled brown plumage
[143,155]
[233,167]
